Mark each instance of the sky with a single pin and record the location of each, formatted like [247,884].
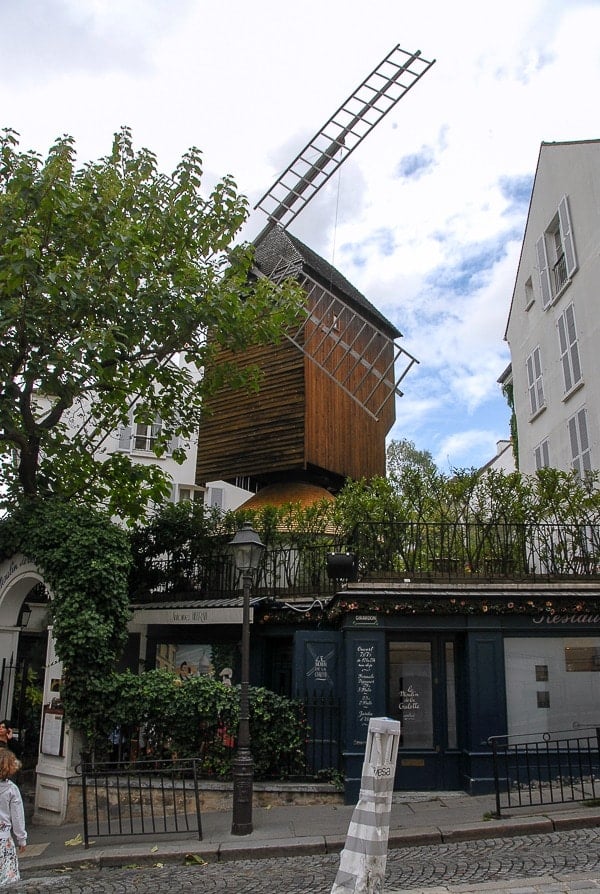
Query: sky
[425,218]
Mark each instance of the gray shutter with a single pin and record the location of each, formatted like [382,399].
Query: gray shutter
[546,454]
[566,233]
[125,438]
[542,256]
[564,353]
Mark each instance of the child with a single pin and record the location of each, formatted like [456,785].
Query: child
[12,819]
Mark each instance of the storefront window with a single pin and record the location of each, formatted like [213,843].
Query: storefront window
[189,660]
[411,692]
[552,683]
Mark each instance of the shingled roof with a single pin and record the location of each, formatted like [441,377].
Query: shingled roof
[275,244]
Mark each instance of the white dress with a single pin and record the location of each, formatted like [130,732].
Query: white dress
[12,828]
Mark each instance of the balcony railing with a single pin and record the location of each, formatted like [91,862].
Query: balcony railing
[385,551]
[422,550]
[560,274]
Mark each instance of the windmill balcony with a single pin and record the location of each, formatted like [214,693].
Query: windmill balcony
[385,551]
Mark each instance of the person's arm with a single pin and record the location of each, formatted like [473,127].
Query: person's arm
[17,818]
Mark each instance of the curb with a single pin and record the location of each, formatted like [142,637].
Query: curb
[318,845]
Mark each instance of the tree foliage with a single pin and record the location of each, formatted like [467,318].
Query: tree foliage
[200,717]
[85,559]
[404,455]
[112,277]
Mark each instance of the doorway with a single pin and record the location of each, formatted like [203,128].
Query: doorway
[422,687]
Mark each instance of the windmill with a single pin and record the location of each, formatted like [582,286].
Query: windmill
[327,399]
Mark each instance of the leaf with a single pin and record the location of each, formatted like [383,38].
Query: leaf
[154,849]
[194,860]
[72,842]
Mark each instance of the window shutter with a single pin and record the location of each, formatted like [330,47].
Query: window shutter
[216,497]
[546,454]
[542,256]
[564,353]
[542,455]
[125,438]
[583,433]
[566,232]
[573,438]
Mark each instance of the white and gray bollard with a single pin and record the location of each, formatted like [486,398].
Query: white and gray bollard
[362,862]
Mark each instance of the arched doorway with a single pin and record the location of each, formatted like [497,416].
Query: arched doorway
[24,601]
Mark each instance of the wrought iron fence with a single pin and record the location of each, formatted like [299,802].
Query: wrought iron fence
[156,797]
[289,570]
[552,768]
[385,550]
[476,550]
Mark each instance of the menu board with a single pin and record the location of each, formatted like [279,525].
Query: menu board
[365,660]
[53,731]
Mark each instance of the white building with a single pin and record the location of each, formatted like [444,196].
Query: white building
[553,327]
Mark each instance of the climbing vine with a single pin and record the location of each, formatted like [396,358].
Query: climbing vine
[85,560]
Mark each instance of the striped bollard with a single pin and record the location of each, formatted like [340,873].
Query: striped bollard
[363,859]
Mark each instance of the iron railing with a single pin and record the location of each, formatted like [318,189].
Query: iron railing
[550,768]
[447,550]
[386,551]
[149,797]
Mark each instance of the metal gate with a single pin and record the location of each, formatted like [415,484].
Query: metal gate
[13,691]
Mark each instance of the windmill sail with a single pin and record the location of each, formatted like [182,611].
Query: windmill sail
[345,345]
[343,132]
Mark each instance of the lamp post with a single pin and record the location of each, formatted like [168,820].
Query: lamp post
[247,548]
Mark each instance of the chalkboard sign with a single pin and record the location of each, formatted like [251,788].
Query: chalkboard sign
[365,661]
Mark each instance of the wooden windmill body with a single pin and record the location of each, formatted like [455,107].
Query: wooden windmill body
[327,395]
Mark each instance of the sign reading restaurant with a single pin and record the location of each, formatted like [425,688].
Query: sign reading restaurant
[576,618]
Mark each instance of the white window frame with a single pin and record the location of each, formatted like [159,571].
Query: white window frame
[569,349]
[581,457]
[144,436]
[131,436]
[556,256]
[535,381]
[542,455]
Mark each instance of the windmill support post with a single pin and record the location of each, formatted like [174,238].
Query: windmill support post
[364,857]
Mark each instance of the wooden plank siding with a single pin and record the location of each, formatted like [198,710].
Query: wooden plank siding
[255,435]
[300,419]
[340,435]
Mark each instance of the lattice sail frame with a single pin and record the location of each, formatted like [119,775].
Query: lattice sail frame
[342,133]
[343,344]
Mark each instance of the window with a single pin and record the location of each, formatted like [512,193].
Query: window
[542,455]
[581,459]
[215,497]
[570,683]
[556,257]
[146,435]
[139,437]
[534,381]
[569,352]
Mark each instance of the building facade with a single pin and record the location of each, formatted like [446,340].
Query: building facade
[553,327]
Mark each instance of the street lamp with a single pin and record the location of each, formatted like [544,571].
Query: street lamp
[247,548]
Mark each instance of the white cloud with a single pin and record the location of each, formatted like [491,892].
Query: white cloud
[425,217]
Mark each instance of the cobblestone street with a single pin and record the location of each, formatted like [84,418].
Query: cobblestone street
[492,863]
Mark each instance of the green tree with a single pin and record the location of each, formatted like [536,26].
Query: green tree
[403,455]
[118,284]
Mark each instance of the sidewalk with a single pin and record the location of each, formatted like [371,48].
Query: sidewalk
[417,818]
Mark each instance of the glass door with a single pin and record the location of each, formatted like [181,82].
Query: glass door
[422,696]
